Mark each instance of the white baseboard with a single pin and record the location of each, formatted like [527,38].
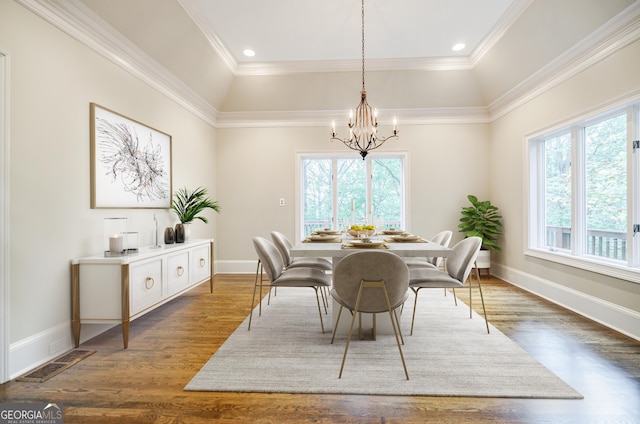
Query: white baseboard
[36,350]
[616,317]
[28,354]
[236,267]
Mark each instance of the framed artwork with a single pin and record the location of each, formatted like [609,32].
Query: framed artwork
[130,162]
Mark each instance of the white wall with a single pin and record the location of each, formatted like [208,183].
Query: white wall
[605,82]
[53,78]
[256,167]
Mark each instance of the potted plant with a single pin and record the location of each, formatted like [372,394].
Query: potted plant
[188,205]
[482,219]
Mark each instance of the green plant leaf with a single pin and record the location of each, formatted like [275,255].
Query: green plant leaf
[189,204]
[481,219]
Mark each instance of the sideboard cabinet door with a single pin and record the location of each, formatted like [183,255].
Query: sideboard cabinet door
[201,263]
[145,285]
[178,272]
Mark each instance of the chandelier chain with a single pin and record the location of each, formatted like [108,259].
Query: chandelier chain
[363,45]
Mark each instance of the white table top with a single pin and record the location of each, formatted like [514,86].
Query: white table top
[335,250]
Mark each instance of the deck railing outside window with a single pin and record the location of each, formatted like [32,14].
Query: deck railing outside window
[605,244]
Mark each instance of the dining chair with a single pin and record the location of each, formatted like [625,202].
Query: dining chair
[459,266]
[443,238]
[371,282]
[284,246]
[271,261]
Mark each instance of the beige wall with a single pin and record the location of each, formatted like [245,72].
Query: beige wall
[256,167]
[53,78]
[604,82]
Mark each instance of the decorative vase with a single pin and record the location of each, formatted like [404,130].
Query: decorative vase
[179,233]
[169,236]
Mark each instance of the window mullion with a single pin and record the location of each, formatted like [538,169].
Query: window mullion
[633,185]
[539,199]
[334,193]
[578,177]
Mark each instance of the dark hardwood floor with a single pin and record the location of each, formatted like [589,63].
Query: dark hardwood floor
[167,347]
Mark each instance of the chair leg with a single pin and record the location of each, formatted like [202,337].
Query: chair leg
[415,305]
[396,327]
[319,310]
[253,298]
[486,321]
[374,284]
[353,320]
[395,313]
[324,300]
[335,326]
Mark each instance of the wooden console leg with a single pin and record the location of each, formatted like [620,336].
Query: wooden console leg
[75,303]
[124,276]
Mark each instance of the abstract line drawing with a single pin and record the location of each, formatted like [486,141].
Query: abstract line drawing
[131,163]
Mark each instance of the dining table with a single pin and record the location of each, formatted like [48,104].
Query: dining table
[341,245]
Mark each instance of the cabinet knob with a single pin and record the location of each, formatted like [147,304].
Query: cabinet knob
[180,271]
[149,282]
[203,262]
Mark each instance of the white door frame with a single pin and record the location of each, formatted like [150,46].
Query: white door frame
[4,217]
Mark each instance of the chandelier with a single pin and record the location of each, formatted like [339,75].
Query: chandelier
[363,133]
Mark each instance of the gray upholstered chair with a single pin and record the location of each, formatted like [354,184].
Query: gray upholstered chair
[271,260]
[370,282]
[284,246]
[443,238]
[459,266]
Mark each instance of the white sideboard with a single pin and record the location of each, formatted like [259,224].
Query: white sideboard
[121,289]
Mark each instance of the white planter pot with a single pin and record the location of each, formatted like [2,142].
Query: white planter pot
[483,261]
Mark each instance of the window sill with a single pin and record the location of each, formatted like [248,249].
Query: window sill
[614,270]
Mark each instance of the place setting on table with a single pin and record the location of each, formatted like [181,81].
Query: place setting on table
[363,237]
[326,235]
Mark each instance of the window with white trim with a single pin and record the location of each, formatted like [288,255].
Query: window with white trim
[339,190]
[584,191]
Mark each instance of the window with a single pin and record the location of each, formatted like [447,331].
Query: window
[580,186]
[340,190]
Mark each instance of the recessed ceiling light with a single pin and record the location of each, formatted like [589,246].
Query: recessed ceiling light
[458,47]
[249,53]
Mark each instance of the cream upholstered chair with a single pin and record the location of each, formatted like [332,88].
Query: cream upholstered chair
[459,266]
[271,260]
[284,246]
[370,282]
[443,238]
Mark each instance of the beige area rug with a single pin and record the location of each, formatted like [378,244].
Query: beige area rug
[449,354]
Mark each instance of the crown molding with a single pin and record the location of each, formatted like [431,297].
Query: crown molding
[309,66]
[453,63]
[74,18]
[512,13]
[616,34]
[323,118]
[196,15]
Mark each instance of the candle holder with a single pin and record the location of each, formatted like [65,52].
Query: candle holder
[131,242]
[115,236]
